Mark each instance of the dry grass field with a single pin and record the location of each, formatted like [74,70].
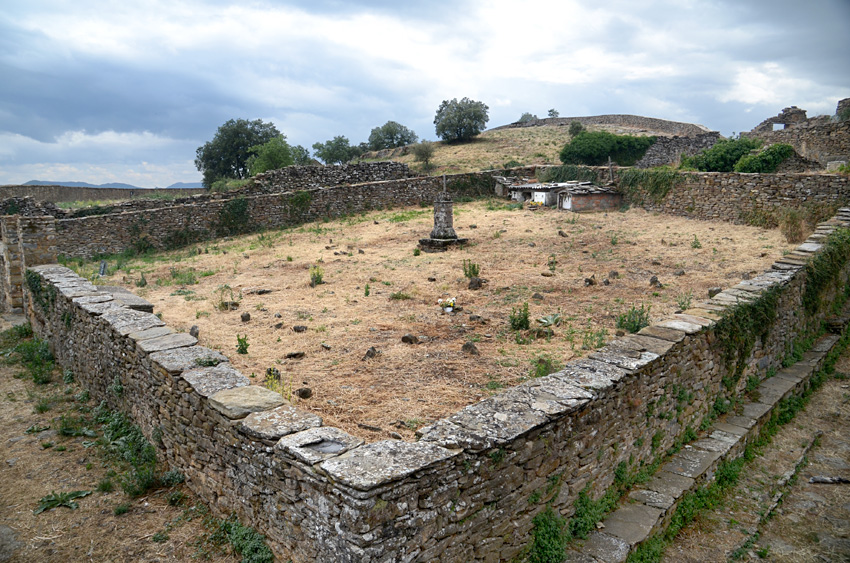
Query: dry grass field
[376,289]
[494,149]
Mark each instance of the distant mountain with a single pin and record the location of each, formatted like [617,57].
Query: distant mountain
[119,185]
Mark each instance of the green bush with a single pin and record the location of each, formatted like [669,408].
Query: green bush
[721,157]
[576,127]
[317,276]
[594,148]
[766,161]
[634,319]
[471,269]
[519,318]
[242,344]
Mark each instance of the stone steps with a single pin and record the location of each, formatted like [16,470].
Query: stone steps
[649,508]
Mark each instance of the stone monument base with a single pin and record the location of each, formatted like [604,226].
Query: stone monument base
[439,244]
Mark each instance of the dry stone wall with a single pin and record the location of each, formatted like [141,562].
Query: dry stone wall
[666,151]
[649,124]
[735,197]
[202,218]
[821,139]
[469,488]
[69,193]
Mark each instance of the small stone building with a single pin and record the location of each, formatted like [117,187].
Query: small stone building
[569,196]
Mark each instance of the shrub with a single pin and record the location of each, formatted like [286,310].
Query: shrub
[766,161]
[594,148]
[316,276]
[792,225]
[576,127]
[242,344]
[471,269]
[423,152]
[519,318]
[722,156]
[634,319]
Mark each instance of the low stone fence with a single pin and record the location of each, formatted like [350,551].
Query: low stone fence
[737,197]
[470,487]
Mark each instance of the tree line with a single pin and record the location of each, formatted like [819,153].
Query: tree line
[243,148]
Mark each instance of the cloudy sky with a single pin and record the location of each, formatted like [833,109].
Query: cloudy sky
[127,91]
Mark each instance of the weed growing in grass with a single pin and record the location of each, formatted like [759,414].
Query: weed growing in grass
[55,500]
[120,509]
[696,243]
[400,296]
[471,269]
[519,318]
[366,290]
[245,541]
[683,300]
[634,319]
[591,340]
[316,276]
[242,344]
[543,365]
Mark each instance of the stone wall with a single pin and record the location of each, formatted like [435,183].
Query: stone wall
[667,151]
[469,488]
[68,193]
[648,124]
[203,217]
[821,139]
[306,177]
[734,197]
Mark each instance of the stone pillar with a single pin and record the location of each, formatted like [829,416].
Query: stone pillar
[37,240]
[443,218]
[12,273]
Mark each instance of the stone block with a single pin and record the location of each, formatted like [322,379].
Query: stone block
[177,360]
[239,402]
[128,298]
[167,342]
[605,548]
[369,466]
[317,444]
[691,463]
[632,522]
[148,333]
[278,422]
[207,381]
[664,333]
[669,484]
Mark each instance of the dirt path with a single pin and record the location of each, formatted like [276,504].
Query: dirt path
[811,522]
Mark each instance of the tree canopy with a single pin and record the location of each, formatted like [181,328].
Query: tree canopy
[226,156]
[336,151]
[391,135]
[270,156]
[460,120]
[553,113]
[594,148]
[423,152]
[525,117]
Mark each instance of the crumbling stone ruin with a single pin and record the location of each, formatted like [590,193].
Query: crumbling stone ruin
[822,139]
